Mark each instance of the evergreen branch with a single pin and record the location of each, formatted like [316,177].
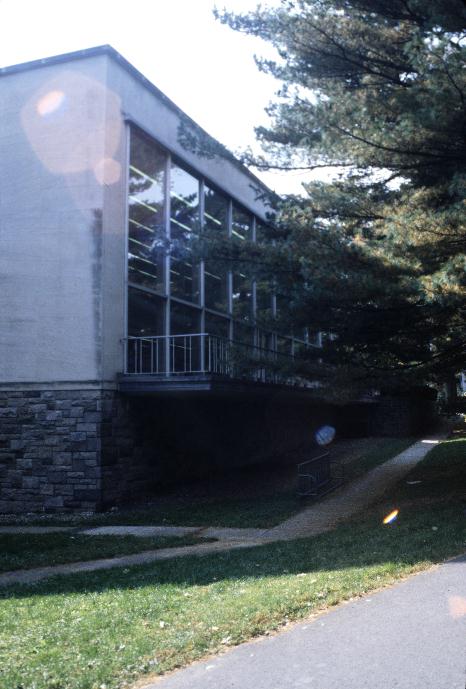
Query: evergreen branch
[391,149]
[291,168]
[454,84]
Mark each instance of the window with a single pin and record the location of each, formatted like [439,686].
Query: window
[243,334]
[214,325]
[261,232]
[146,319]
[264,340]
[184,226]
[216,268]
[242,296]
[184,320]
[241,227]
[217,348]
[284,345]
[146,232]
[185,350]
[241,230]
[263,300]
[239,311]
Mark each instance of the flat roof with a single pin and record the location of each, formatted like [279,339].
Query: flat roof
[115,55]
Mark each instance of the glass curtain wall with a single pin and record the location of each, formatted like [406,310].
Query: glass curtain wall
[146,232]
[215,228]
[242,291]
[168,208]
[146,257]
[264,301]
[146,322]
[184,228]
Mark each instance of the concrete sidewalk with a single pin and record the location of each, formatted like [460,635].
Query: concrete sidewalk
[410,636]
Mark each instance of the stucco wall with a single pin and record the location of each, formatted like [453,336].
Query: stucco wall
[52,138]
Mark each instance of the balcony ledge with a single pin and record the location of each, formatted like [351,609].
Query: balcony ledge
[205,384]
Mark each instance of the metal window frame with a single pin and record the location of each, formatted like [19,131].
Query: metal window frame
[126,240]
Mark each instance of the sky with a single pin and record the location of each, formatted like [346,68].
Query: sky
[207,69]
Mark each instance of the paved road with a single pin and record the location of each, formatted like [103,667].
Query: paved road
[411,636]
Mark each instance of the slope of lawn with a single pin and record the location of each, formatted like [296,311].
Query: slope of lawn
[110,627]
[441,476]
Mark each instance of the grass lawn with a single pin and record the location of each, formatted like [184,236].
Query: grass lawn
[23,551]
[441,476]
[384,450]
[110,627]
[261,510]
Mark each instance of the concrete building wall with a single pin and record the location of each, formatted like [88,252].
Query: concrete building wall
[51,201]
[114,230]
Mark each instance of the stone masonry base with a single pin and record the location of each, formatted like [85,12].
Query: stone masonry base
[71,450]
[50,450]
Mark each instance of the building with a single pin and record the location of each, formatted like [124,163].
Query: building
[121,351]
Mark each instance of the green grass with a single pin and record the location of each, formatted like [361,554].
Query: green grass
[112,627]
[385,449]
[441,476]
[261,512]
[23,551]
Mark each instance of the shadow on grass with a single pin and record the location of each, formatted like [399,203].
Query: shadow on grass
[427,535]
[29,550]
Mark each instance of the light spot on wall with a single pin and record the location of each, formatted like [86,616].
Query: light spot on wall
[107,171]
[78,137]
[50,103]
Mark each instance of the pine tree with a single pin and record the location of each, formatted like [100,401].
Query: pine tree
[377,91]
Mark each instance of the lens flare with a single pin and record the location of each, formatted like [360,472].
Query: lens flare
[50,103]
[107,171]
[325,435]
[391,517]
[457,606]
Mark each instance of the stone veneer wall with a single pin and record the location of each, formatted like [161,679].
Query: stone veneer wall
[70,450]
[50,449]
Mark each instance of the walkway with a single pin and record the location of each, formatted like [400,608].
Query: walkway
[316,519]
[353,498]
[411,636]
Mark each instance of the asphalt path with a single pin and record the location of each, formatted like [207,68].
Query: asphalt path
[409,636]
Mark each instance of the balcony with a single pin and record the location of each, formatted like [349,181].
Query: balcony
[205,362]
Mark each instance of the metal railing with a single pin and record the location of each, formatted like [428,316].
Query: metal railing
[319,475]
[201,353]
